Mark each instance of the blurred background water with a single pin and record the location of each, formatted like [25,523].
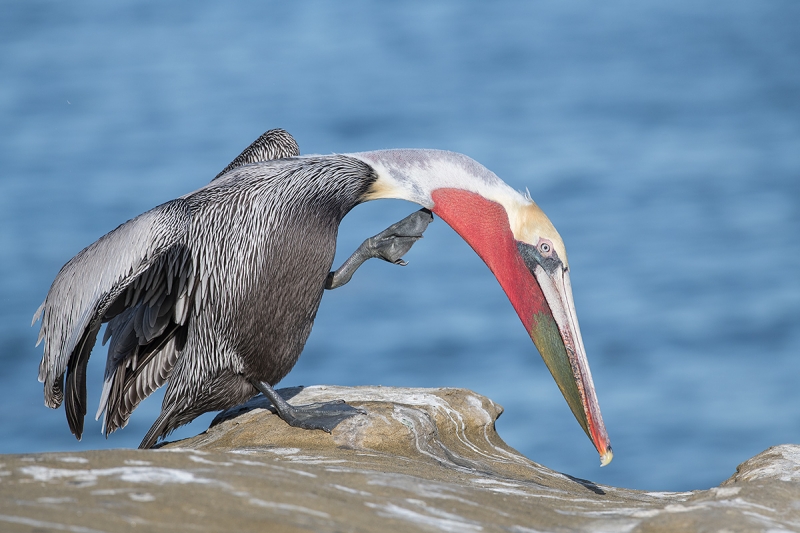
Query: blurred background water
[662,139]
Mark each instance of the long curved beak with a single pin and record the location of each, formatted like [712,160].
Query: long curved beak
[557,336]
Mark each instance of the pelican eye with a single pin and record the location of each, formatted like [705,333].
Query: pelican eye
[544,248]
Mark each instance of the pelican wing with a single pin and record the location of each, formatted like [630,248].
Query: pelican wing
[273,144]
[100,283]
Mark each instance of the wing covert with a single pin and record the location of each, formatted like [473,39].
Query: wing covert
[273,144]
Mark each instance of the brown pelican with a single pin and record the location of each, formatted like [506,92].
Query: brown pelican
[214,293]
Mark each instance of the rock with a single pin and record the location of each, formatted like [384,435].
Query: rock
[420,460]
[779,463]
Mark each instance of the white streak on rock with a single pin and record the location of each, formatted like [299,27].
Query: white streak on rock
[351,491]
[48,500]
[42,524]
[197,459]
[131,474]
[288,507]
[725,492]
[142,497]
[282,451]
[443,522]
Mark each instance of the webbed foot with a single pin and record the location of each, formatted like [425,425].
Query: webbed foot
[324,415]
[390,245]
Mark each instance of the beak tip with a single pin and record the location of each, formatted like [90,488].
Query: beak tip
[606,457]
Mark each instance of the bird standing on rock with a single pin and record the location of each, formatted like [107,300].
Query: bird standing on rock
[214,293]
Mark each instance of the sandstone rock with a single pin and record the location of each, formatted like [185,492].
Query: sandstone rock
[420,460]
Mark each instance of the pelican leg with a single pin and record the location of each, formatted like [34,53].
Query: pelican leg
[390,245]
[324,416]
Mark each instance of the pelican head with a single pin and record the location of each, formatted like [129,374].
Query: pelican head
[520,246]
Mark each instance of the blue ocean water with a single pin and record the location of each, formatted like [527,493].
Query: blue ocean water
[662,139]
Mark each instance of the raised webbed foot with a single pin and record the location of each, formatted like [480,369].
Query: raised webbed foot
[390,245]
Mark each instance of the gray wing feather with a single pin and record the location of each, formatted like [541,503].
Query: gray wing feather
[87,292]
[131,375]
[273,144]
[147,335]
